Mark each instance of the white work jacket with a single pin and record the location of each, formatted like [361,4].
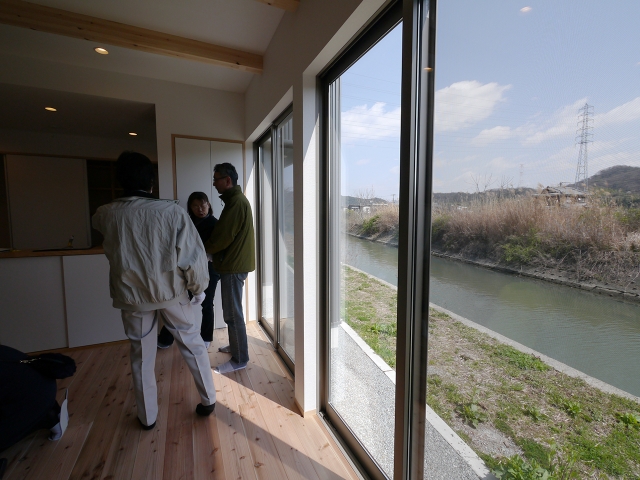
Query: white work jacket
[155,253]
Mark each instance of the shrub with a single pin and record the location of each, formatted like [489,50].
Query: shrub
[369,226]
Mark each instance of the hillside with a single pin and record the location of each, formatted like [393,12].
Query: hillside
[619,178]
[350,200]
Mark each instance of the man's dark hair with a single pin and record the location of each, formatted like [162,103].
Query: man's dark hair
[134,171]
[227,170]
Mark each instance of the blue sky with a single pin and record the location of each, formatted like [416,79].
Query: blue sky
[510,78]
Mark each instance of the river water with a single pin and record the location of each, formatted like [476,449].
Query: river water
[593,333]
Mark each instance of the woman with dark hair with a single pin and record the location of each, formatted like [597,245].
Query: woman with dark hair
[201,214]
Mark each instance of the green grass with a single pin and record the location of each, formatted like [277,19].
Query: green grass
[564,427]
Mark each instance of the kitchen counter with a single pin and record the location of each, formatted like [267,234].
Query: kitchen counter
[61,252]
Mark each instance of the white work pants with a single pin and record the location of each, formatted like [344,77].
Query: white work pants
[141,329]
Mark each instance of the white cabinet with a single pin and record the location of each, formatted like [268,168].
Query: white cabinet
[32,304]
[91,318]
[195,159]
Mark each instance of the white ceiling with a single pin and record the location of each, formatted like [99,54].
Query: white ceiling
[241,24]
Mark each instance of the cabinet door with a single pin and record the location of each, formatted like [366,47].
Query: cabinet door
[195,160]
[91,318]
[32,304]
[193,168]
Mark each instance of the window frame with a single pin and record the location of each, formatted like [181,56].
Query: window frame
[270,133]
[416,160]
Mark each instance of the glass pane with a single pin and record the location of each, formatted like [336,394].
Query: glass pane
[266,234]
[363,338]
[537,172]
[285,237]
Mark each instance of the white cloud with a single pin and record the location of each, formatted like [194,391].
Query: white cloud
[395,170]
[525,9]
[491,135]
[626,112]
[466,103]
[363,161]
[375,123]
[562,123]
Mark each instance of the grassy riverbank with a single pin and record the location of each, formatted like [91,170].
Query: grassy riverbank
[598,244]
[514,410]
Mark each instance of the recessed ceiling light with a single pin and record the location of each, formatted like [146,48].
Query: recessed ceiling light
[133,134]
[101,51]
[51,109]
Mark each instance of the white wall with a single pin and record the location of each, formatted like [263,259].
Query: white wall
[180,109]
[304,44]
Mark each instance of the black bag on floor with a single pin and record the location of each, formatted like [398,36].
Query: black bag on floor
[52,365]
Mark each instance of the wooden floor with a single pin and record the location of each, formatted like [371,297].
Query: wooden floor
[255,433]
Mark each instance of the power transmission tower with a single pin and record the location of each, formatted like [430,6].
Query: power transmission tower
[584,136]
[521,175]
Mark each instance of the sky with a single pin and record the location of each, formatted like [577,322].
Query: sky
[511,77]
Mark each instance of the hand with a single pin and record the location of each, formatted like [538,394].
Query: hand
[198,299]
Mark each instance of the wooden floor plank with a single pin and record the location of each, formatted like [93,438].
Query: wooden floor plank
[149,461]
[275,374]
[86,398]
[261,444]
[236,456]
[81,358]
[178,456]
[315,443]
[207,451]
[124,447]
[93,456]
[63,457]
[255,433]
[18,454]
[295,462]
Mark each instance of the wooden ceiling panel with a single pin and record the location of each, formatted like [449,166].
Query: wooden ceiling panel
[61,22]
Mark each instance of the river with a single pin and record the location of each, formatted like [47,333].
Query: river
[593,333]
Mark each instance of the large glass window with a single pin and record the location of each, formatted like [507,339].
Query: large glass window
[364,260]
[276,239]
[378,113]
[266,223]
[537,176]
[285,236]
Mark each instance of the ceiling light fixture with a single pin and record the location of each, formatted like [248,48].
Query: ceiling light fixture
[133,134]
[50,109]
[101,51]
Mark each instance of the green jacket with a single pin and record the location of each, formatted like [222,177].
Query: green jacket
[232,242]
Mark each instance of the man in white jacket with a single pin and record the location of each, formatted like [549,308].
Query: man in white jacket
[155,255]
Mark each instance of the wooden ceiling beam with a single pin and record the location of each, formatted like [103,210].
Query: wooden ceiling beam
[290,5]
[61,22]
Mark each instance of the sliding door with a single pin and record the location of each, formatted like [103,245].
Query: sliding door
[275,229]
[376,173]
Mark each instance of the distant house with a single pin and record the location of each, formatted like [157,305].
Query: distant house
[561,195]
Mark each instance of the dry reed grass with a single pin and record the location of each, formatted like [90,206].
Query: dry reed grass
[594,242]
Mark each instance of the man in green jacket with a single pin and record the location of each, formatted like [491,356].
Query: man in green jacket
[232,245]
